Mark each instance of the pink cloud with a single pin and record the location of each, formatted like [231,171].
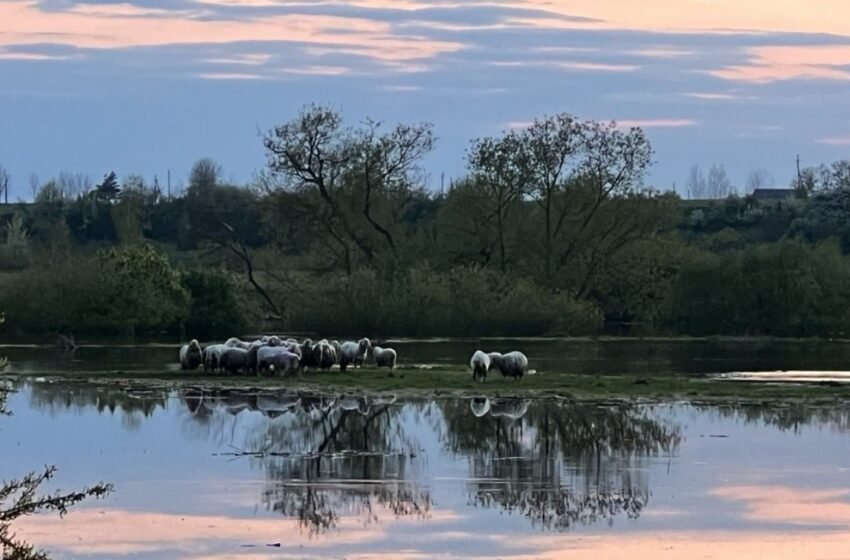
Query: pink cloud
[122,26]
[777,63]
[835,141]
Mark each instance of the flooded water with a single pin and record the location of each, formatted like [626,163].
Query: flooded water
[215,475]
[615,356]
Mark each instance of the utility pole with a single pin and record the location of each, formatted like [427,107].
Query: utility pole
[799,175]
[169,184]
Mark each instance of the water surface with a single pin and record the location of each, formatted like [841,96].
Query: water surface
[601,357]
[248,475]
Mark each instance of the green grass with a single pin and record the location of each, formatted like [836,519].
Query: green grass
[448,381]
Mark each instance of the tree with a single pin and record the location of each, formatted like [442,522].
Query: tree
[34,184]
[358,182]
[552,144]
[5,179]
[499,166]
[205,174]
[757,179]
[718,184]
[695,185]
[108,190]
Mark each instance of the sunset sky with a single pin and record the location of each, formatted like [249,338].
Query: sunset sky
[148,86]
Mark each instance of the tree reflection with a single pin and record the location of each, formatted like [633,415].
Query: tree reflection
[785,416]
[133,402]
[557,463]
[325,457]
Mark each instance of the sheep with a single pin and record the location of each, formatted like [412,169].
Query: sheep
[234,360]
[212,356]
[251,366]
[294,348]
[480,364]
[191,355]
[352,352]
[324,355]
[277,360]
[275,341]
[384,357]
[309,359]
[512,364]
[236,343]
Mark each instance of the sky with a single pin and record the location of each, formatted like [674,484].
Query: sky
[148,87]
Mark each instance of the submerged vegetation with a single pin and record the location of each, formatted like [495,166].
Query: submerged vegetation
[552,231]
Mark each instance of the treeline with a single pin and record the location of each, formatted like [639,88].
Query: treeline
[552,231]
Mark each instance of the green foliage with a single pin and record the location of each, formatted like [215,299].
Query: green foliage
[140,289]
[118,290]
[216,308]
[424,302]
[782,289]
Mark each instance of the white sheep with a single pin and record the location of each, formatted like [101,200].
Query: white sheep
[512,364]
[480,364]
[276,358]
[353,352]
[236,343]
[191,355]
[212,356]
[384,357]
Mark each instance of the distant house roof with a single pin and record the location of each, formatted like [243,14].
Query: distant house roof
[773,193]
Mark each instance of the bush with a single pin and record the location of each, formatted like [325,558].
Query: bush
[780,289]
[118,290]
[215,307]
[465,301]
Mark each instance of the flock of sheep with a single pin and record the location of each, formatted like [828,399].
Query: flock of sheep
[274,355]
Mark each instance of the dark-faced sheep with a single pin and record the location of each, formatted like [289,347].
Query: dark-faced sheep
[191,355]
[325,355]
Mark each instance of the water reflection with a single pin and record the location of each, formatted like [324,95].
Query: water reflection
[347,475]
[557,463]
[325,456]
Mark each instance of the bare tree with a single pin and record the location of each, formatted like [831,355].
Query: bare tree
[34,185]
[5,179]
[553,145]
[718,184]
[72,185]
[358,181]
[695,184]
[205,173]
[758,179]
[500,168]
